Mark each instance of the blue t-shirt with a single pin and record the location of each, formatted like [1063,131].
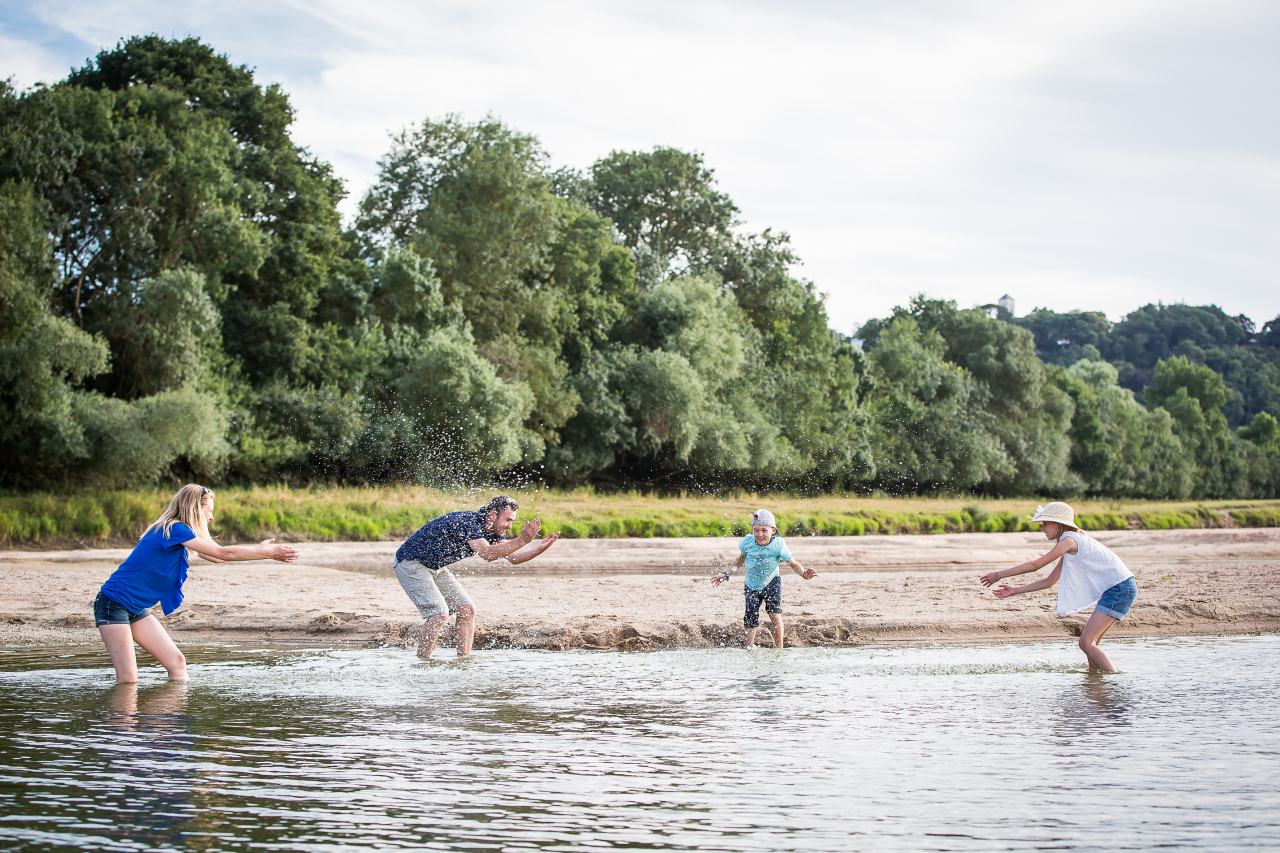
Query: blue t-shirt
[154,572]
[444,540]
[762,560]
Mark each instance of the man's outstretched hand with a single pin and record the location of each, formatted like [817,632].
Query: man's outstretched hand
[527,554]
[545,543]
[530,531]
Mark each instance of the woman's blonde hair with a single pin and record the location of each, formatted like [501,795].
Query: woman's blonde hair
[185,508]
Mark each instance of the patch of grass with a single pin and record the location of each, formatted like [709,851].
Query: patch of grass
[1267,516]
[99,519]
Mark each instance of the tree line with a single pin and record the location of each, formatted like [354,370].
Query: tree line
[181,299]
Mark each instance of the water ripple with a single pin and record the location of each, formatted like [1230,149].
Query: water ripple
[946,748]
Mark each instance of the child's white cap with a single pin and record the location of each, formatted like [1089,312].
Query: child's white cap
[763,517]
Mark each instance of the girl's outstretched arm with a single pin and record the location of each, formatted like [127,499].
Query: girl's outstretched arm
[1004,590]
[1066,545]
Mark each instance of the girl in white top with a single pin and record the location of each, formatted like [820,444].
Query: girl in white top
[1091,574]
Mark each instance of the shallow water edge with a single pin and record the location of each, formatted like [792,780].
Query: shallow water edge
[939,748]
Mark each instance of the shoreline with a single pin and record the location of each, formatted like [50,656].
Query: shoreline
[652,594]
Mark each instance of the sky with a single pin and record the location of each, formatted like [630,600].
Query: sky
[1073,155]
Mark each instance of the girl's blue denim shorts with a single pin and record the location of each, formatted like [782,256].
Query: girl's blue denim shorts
[107,611]
[1116,601]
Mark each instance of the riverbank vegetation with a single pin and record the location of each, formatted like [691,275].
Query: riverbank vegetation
[100,519]
[181,301]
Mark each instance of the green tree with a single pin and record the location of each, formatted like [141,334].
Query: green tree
[667,397]
[1193,395]
[254,211]
[50,431]
[808,378]
[1254,381]
[1065,339]
[1157,332]
[1118,447]
[1030,416]
[539,279]
[931,425]
[475,199]
[666,206]
[43,357]
[1260,442]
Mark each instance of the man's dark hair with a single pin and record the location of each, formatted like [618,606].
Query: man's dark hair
[497,505]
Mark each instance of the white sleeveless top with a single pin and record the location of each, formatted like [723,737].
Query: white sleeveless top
[1088,573]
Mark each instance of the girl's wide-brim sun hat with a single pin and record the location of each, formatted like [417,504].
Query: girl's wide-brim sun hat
[1056,511]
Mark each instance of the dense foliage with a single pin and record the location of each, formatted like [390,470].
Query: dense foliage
[180,299]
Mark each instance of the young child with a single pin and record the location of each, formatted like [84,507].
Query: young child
[760,553]
[1091,574]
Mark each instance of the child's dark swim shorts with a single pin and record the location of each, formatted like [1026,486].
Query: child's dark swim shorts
[770,597]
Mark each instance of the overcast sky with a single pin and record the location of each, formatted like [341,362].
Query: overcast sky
[1075,155]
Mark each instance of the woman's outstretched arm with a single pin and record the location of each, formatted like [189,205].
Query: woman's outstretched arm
[266,550]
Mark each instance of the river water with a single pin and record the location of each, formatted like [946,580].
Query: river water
[942,748]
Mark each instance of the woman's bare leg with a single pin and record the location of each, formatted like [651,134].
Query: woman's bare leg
[1092,634]
[466,629]
[430,632]
[119,642]
[152,636]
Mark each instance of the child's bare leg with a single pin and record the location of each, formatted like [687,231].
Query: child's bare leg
[466,629]
[430,631]
[776,618]
[119,642]
[1092,634]
[152,636]
[751,637]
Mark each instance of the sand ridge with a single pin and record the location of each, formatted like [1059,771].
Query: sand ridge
[653,593]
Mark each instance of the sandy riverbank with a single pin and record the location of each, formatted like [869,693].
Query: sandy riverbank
[653,593]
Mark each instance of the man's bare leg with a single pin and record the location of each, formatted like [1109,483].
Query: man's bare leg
[776,618]
[430,631]
[466,629]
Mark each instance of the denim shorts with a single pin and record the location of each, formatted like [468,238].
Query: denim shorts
[770,597]
[107,611]
[1116,601]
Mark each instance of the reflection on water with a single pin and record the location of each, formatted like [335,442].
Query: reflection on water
[1096,703]
[953,748]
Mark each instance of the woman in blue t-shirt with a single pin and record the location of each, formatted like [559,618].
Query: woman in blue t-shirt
[153,574]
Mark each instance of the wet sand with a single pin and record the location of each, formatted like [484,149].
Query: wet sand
[654,593]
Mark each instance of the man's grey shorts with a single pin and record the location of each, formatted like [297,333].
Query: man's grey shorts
[433,592]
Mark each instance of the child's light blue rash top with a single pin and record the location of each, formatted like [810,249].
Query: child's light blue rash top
[762,560]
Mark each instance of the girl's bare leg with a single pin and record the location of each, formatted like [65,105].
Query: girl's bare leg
[776,618]
[1092,634]
[466,629]
[430,631]
[119,642]
[152,636]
